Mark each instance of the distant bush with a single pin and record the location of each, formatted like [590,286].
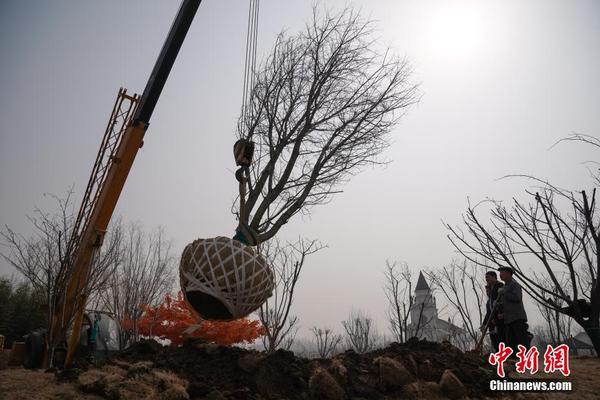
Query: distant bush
[21,310]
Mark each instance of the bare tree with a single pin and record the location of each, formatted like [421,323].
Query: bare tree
[402,305]
[287,262]
[541,336]
[43,258]
[558,232]
[326,341]
[322,108]
[557,327]
[143,274]
[360,332]
[460,284]
[398,290]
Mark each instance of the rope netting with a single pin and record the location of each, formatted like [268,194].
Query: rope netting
[224,279]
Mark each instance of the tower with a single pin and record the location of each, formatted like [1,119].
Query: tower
[424,309]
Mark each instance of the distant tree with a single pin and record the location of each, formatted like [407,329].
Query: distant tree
[287,262]
[360,332]
[44,259]
[463,287]
[326,341]
[21,310]
[398,290]
[174,320]
[557,326]
[321,110]
[143,275]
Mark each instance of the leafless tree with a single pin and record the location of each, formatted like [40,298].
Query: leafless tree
[322,108]
[558,232]
[541,336]
[399,292]
[326,341]
[421,325]
[43,260]
[462,287]
[360,332]
[287,262]
[557,326]
[402,305]
[143,274]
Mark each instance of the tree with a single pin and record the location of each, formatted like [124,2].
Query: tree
[398,290]
[175,321]
[143,275]
[459,283]
[21,310]
[360,332]
[44,259]
[402,305]
[326,341]
[558,232]
[287,262]
[322,108]
[557,326]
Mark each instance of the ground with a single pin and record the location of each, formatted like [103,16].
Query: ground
[24,384]
[585,375]
[205,371]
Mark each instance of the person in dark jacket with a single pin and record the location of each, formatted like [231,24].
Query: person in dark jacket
[496,326]
[513,312]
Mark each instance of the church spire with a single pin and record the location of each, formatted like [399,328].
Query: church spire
[422,283]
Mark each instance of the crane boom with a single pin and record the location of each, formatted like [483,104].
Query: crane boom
[108,178]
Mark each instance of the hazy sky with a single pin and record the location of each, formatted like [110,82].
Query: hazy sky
[501,82]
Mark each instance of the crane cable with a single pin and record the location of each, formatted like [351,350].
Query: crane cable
[250,61]
[243,149]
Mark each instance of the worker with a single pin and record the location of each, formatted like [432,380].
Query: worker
[513,312]
[495,325]
[93,335]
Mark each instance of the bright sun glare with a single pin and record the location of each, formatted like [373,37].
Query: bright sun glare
[458,30]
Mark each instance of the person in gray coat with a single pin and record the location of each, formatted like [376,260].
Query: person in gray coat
[513,312]
[495,325]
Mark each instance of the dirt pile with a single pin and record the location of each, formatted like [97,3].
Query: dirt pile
[416,369]
[125,381]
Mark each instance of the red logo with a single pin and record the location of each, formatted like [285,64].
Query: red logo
[527,360]
[498,358]
[555,359]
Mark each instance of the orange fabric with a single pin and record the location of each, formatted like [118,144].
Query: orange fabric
[172,317]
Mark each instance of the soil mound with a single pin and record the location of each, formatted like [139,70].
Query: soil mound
[416,369]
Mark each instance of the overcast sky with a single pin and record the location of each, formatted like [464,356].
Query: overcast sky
[501,82]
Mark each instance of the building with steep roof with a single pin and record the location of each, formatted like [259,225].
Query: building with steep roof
[425,322]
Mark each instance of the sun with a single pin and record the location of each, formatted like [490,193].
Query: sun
[458,30]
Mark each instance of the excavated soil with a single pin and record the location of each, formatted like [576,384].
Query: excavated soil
[412,369]
[198,370]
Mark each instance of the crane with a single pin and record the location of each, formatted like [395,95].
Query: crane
[122,139]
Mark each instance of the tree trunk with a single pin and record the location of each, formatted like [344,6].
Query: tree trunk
[593,331]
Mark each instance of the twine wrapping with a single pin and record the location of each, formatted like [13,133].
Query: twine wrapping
[223,279]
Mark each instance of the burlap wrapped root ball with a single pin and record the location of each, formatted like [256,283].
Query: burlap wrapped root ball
[223,279]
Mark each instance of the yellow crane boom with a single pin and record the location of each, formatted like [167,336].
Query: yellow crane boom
[123,137]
